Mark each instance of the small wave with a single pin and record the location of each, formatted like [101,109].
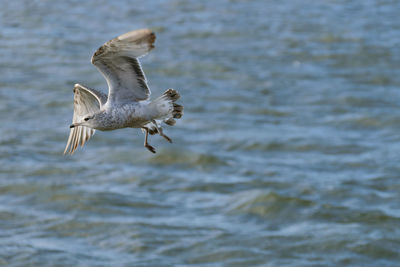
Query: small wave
[379,249]
[267,204]
[270,112]
[188,159]
[287,147]
[343,214]
[363,101]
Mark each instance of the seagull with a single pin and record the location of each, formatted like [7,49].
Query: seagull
[128,103]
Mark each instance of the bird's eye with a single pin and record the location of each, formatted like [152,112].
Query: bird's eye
[86,119]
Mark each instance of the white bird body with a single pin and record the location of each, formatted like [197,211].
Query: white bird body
[128,115]
[114,117]
[127,103]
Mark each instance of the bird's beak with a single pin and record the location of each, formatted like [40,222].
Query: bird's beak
[71,126]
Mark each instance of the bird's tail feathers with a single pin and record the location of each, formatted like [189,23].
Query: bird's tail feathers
[167,109]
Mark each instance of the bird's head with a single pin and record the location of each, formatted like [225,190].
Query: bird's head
[88,121]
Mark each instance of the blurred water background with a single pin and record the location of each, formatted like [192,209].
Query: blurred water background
[287,155]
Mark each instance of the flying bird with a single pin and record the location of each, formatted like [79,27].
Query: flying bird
[128,101]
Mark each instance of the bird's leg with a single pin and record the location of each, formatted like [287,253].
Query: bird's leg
[146,144]
[160,131]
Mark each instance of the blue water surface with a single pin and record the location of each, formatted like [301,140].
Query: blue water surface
[287,155]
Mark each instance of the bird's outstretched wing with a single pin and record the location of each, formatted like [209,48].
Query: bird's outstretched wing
[86,101]
[118,61]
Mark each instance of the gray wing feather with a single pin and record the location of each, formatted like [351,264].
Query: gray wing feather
[86,101]
[118,61]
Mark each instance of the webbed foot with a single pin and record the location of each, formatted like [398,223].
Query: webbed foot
[150,148]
